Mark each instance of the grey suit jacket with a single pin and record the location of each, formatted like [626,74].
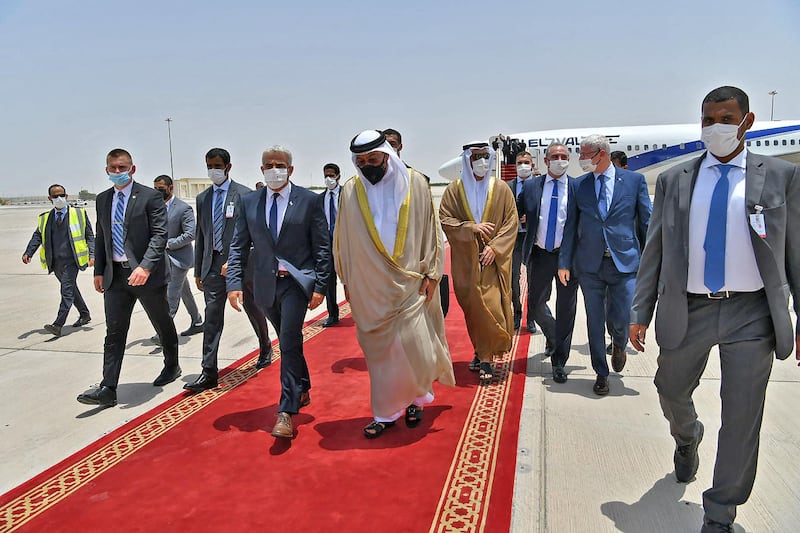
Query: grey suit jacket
[180,234]
[204,242]
[771,183]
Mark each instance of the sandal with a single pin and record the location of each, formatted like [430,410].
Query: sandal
[413,415]
[487,374]
[475,364]
[375,428]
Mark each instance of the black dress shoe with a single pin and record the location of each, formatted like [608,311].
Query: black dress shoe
[167,375]
[559,375]
[686,459]
[264,359]
[194,329]
[618,358]
[549,348]
[517,321]
[82,321]
[102,396]
[601,386]
[330,322]
[531,327]
[52,328]
[203,382]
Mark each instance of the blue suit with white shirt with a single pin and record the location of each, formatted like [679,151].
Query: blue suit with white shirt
[603,251]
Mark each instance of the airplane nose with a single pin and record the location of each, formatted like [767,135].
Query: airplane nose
[451,170]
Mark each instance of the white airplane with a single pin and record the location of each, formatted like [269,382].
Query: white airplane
[650,149]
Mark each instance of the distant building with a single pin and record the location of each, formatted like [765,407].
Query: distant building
[189,188]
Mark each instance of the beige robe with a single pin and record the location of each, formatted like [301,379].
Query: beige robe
[402,336]
[483,293]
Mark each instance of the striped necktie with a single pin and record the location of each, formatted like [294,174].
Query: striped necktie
[716,233]
[117,226]
[218,220]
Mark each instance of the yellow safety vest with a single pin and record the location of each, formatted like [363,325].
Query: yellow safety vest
[77,233]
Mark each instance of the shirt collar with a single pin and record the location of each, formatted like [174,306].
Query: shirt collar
[126,190]
[610,172]
[739,161]
[283,193]
[170,202]
[225,186]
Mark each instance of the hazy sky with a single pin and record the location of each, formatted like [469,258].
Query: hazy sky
[80,77]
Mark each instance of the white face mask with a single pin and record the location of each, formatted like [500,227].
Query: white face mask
[331,183]
[60,202]
[557,167]
[480,167]
[217,176]
[524,170]
[587,165]
[721,139]
[275,178]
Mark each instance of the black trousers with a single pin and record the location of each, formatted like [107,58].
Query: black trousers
[330,295]
[542,271]
[119,300]
[66,272]
[287,314]
[215,293]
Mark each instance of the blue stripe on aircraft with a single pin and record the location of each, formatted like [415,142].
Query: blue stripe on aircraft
[647,159]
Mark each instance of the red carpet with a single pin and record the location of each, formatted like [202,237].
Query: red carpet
[208,462]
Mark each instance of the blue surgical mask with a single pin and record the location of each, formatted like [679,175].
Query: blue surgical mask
[119,179]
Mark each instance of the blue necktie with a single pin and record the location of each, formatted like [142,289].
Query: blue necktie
[117,225]
[552,218]
[218,220]
[273,217]
[716,232]
[332,212]
[601,197]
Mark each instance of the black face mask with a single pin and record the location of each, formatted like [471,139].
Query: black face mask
[373,173]
[165,193]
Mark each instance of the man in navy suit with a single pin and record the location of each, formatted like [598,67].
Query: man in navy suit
[291,251]
[218,207]
[329,201]
[548,202]
[525,168]
[602,246]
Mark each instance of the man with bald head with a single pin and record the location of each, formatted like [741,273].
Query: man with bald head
[389,255]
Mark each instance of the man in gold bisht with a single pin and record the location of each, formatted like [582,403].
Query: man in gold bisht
[389,255]
[479,216]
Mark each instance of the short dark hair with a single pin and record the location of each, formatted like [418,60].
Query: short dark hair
[163,177]
[619,155]
[390,131]
[723,94]
[50,189]
[332,166]
[219,152]
[117,152]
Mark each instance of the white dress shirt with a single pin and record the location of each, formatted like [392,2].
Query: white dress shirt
[126,191]
[741,270]
[544,210]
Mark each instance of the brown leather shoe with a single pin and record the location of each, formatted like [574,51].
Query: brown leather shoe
[618,358]
[283,426]
[305,399]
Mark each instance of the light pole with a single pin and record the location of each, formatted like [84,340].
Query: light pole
[772,106]
[168,120]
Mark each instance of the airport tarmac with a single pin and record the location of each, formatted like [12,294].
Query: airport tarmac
[584,463]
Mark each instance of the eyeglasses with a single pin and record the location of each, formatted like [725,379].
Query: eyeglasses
[592,154]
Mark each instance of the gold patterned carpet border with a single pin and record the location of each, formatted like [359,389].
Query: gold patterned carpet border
[61,484]
[466,493]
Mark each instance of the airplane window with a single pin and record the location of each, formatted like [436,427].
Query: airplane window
[664,146]
[774,143]
[629,148]
[646,146]
[637,148]
[783,142]
[748,143]
[791,142]
[758,143]
[683,146]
